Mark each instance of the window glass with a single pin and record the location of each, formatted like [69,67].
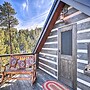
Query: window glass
[66,42]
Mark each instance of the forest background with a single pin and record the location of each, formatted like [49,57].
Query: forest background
[12,40]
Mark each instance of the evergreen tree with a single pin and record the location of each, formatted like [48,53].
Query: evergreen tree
[15,44]
[7,19]
[2,40]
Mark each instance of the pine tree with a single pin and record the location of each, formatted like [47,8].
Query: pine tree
[2,40]
[7,19]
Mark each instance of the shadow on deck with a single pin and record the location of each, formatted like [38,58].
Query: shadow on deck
[26,85]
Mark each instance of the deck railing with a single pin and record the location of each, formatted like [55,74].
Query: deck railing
[4,59]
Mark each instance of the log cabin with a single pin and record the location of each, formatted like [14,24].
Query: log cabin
[63,47]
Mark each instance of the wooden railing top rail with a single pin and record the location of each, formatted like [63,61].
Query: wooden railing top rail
[6,55]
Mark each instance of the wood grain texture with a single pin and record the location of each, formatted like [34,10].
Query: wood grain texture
[67,63]
[26,85]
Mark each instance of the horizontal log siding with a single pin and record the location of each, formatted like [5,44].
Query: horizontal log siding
[48,55]
[50,46]
[83,37]
[50,52]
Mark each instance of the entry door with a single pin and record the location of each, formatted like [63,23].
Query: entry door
[67,55]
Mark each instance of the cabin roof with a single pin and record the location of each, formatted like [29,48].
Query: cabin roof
[58,5]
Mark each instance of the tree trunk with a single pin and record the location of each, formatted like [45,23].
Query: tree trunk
[10,37]
[9,34]
[10,41]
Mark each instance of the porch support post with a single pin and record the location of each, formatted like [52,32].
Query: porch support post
[37,60]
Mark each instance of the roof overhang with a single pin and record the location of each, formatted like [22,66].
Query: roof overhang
[49,24]
[53,16]
[81,5]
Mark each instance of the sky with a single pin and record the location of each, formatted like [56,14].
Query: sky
[30,13]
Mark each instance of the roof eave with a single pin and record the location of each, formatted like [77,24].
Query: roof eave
[58,5]
[79,6]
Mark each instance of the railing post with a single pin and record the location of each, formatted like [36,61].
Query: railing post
[37,62]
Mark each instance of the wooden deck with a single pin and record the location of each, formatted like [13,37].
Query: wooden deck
[26,85]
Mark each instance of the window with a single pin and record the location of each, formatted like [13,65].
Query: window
[66,42]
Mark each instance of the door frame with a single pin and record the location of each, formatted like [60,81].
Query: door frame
[74,52]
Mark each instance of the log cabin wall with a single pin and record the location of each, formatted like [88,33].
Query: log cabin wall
[83,38]
[48,57]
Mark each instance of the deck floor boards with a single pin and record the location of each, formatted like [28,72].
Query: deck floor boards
[26,85]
